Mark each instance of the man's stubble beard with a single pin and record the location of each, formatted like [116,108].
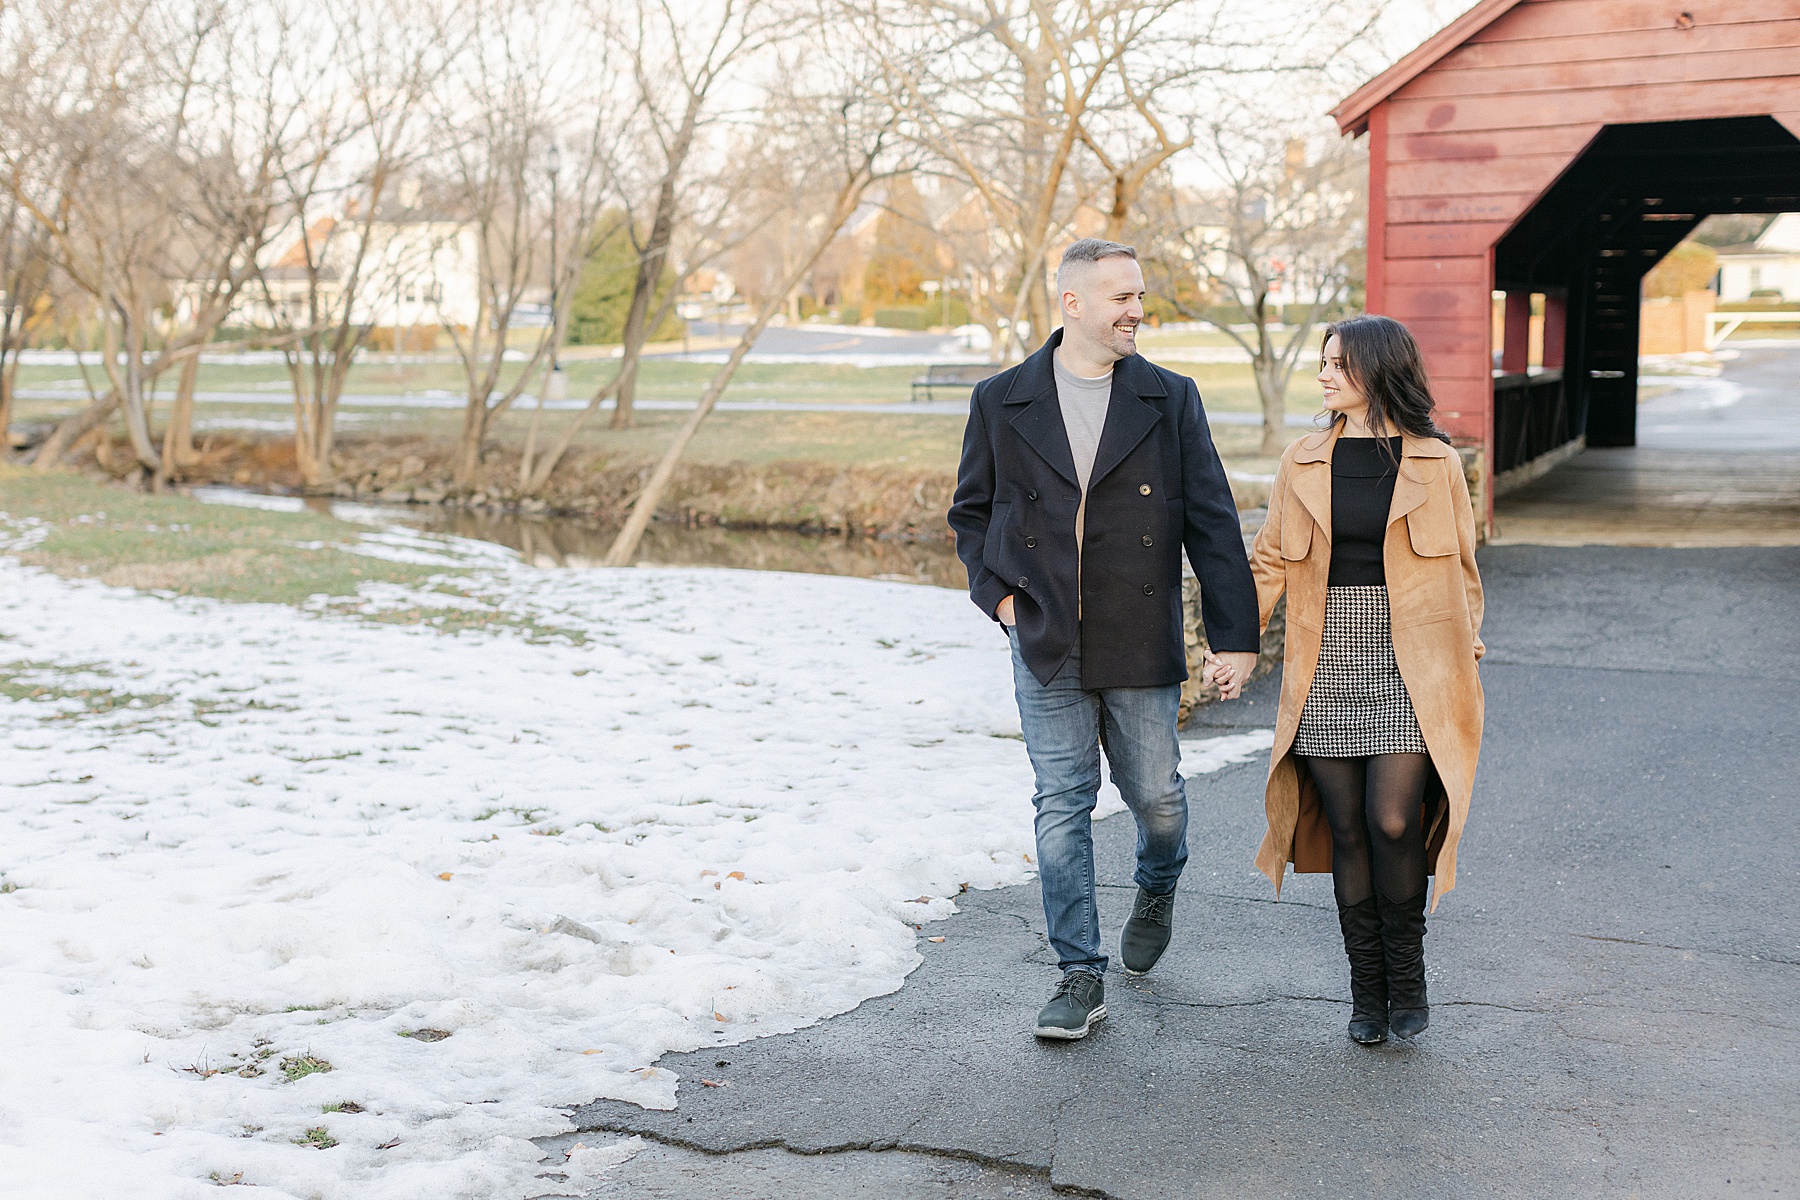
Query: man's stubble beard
[1117,344]
[1109,339]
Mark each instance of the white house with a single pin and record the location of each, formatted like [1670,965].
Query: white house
[1767,268]
[419,270]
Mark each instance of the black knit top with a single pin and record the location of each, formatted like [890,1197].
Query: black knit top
[1362,491]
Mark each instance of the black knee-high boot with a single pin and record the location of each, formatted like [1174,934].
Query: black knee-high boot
[1361,924]
[1403,943]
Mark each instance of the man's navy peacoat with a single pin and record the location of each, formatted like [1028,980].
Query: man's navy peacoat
[1157,486]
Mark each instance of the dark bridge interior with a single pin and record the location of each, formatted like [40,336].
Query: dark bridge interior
[1633,194]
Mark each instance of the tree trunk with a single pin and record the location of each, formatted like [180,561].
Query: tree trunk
[544,467]
[650,268]
[8,376]
[126,343]
[178,437]
[70,429]
[643,509]
[1271,387]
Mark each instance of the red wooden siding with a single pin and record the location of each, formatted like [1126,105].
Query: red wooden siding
[1464,146]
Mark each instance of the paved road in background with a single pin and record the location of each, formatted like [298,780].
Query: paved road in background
[1717,464]
[1615,982]
[1752,406]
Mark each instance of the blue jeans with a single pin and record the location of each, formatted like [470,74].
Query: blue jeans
[1066,726]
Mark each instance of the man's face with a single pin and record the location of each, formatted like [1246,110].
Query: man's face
[1104,303]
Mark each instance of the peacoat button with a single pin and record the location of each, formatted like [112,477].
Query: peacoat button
[1024,582]
[1147,540]
[1031,495]
[1143,489]
[1031,543]
[1149,589]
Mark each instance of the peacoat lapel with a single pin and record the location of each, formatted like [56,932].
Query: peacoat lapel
[1129,415]
[1039,423]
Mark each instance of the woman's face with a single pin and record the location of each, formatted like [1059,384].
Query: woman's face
[1341,393]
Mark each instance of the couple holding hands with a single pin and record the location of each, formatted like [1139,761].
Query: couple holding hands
[1086,472]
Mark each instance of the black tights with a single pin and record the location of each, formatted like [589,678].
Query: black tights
[1377,838]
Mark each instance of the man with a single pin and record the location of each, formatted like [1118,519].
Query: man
[1085,472]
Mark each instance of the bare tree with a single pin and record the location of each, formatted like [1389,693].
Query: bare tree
[229,146]
[1266,254]
[355,134]
[684,190]
[1059,113]
[138,191]
[713,230]
[827,136]
[527,132]
[24,297]
[681,55]
[87,158]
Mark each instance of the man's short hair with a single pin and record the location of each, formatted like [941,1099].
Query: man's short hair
[1089,250]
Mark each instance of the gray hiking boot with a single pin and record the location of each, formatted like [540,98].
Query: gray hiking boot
[1080,1000]
[1146,934]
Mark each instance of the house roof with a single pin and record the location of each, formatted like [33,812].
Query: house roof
[313,241]
[1780,238]
[1352,115]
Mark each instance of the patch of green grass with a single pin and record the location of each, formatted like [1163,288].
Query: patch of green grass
[526,815]
[929,441]
[302,1065]
[38,681]
[174,543]
[318,1137]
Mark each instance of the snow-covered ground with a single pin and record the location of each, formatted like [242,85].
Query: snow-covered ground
[479,875]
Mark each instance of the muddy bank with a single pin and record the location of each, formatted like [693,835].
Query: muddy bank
[810,497]
[807,497]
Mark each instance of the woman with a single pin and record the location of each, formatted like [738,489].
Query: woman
[1371,536]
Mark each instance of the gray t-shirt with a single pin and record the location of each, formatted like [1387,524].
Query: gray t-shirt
[1084,403]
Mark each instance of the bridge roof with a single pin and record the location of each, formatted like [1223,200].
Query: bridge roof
[1352,115]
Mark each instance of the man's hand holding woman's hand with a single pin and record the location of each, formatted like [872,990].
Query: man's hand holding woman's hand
[1228,672]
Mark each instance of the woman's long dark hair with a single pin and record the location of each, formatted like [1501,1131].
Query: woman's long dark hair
[1384,363]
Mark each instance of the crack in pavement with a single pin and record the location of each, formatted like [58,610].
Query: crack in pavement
[873,1146]
[1743,954]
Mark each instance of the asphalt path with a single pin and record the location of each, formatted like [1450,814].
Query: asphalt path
[1615,981]
[1749,407]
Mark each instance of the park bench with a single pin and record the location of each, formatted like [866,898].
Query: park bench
[960,377]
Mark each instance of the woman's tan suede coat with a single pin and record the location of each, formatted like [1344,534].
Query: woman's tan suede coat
[1434,594]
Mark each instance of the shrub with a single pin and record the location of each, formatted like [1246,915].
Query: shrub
[902,318]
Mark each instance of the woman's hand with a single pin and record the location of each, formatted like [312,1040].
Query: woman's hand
[1004,613]
[1228,672]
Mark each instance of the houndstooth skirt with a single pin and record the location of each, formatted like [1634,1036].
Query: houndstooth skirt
[1358,703]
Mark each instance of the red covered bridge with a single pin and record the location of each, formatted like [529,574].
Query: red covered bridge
[1560,148]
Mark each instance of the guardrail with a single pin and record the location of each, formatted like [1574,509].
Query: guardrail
[1721,325]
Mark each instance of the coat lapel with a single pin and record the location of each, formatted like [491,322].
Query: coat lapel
[1410,489]
[1039,423]
[1311,481]
[1129,419]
